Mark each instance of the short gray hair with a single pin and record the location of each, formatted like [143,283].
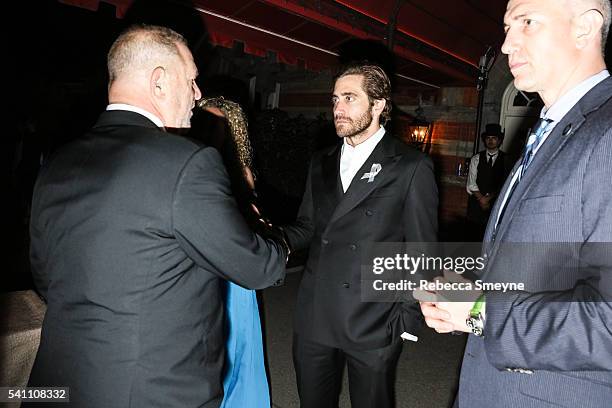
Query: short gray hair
[605,8]
[606,11]
[141,45]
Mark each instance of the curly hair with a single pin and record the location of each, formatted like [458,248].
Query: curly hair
[238,125]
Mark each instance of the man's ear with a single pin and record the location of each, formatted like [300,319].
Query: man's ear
[157,83]
[586,26]
[378,106]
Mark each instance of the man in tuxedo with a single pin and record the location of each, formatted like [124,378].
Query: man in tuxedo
[551,228]
[133,230]
[369,188]
[488,171]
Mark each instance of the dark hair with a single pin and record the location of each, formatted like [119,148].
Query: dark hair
[492,129]
[375,84]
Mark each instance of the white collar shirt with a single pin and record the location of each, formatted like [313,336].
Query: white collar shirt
[352,158]
[125,107]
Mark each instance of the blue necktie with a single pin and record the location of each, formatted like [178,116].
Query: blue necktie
[535,138]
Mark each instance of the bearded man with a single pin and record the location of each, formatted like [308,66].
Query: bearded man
[369,188]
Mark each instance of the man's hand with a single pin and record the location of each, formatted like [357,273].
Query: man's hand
[485,201]
[436,318]
[446,317]
[440,312]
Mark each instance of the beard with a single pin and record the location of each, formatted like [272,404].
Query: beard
[352,127]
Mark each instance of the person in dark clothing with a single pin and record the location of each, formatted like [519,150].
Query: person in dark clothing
[488,171]
[133,231]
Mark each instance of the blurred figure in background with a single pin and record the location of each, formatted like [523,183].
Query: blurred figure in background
[488,171]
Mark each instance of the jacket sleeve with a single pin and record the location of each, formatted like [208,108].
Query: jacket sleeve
[421,205]
[564,330]
[420,221]
[211,230]
[39,252]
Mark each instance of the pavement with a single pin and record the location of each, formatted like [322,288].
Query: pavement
[427,374]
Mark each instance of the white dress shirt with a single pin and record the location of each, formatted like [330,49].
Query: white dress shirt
[124,106]
[352,158]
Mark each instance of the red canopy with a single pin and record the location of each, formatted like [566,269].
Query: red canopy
[438,43]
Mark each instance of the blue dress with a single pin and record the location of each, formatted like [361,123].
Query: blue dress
[245,383]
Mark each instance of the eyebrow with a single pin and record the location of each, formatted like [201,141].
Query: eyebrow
[345,93]
[517,17]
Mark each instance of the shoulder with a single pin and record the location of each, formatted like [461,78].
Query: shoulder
[597,124]
[318,155]
[408,153]
[601,117]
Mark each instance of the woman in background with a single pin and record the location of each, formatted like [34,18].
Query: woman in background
[245,382]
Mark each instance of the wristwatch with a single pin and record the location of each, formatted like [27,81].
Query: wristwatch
[475,321]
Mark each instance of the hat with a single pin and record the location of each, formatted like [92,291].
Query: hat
[492,129]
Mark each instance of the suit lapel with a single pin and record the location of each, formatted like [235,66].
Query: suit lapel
[383,154]
[495,210]
[545,155]
[331,184]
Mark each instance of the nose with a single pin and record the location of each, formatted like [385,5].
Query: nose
[338,108]
[509,45]
[196,91]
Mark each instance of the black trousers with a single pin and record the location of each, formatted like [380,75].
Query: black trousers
[319,368]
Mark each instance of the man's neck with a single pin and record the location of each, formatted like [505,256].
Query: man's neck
[493,151]
[363,136]
[575,77]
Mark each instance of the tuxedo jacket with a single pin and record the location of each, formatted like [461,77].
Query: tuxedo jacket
[399,204]
[551,345]
[132,232]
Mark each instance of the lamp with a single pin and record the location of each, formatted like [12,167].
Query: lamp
[419,130]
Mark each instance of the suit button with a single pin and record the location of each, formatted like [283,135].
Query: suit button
[324,241]
[346,285]
[353,247]
[369,212]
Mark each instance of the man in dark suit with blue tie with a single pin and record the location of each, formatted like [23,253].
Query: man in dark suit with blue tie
[551,228]
[133,230]
[369,188]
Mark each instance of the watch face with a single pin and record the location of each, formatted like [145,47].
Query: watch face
[475,324]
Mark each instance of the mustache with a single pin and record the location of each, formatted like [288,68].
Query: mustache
[337,118]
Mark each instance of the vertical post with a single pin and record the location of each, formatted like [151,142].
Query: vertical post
[484,65]
[252,89]
[392,23]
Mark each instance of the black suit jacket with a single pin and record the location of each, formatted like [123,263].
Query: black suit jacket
[133,231]
[399,205]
